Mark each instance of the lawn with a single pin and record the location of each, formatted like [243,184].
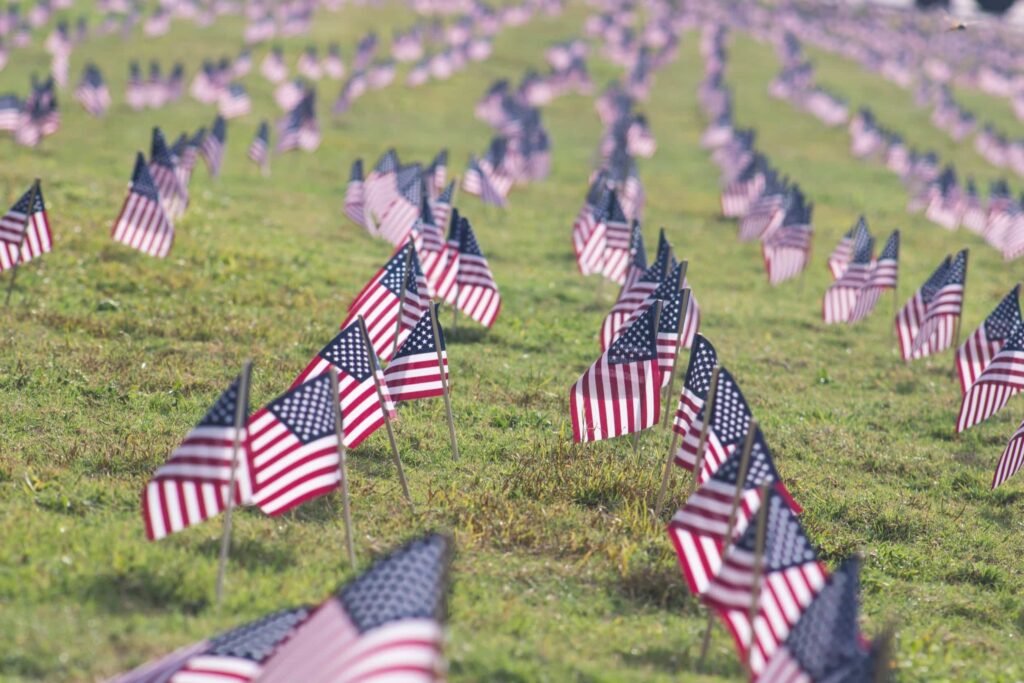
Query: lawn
[560,574]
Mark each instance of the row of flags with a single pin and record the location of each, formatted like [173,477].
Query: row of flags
[795,83]
[34,118]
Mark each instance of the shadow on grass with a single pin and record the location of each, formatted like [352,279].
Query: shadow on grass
[251,553]
[142,589]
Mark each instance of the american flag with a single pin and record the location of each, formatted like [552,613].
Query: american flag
[632,299]
[638,256]
[908,320]
[884,274]
[383,626]
[621,392]
[92,91]
[212,149]
[192,486]
[978,350]
[764,215]
[826,642]
[844,251]
[588,230]
[163,169]
[786,251]
[234,101]
[402,212]
[442,204]
[1001,379]
[380,187]
[24,232]
[1011,459]
[361,408]
[477,182]
[730,420]
[382,297]
[259,149]
[477,292]
[617,238]
[841,296]
[233,657]
[942,314]
[355,194]
[696,384]
[10,112]
[435,253]
[142,223]
[273,67]
[707,523]
[438,172]
[294,447]
[414,371]
[790,576]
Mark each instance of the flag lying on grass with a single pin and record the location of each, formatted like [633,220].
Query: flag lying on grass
[192,486]
[142,223]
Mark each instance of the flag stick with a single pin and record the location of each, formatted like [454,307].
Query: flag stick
[748,445]
[705,428]
[24,233]
[401,298]
[755,594]
[679,339]
[346,509]
[657,319]
[372,357]
[240,416]
[444,381]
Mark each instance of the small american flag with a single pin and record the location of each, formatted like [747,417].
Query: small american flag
[638,256]
[438,173]
[355,195]
[92,91]
[826,642]
[844,251]
[790,577]
[1011,459]
[617,238]
[442,204]
[24,231]
[163,169]
[908,320]
[233,657]
[192,486]
[477,182]
[259,150]
[478,295]
[414,372]
[884,275]
[380,186]
[361,408]
[294,447]
[730,420]
[234,101]
[943,311]
[588,230]
[212,149]
[633,299]
[978,350]
[1001,379]
[142,223]
[402,212]
[621,392]
[786,251]
[841,296]
[384,626]
[696,384]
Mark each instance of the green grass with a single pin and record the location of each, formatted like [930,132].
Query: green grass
[110,357]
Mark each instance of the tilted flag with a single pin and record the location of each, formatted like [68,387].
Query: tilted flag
[142,223]
[361,410]
[730,420]
[978,350]
[192,486]
[632,300]
[355,198]
[588,230]
[382,627]
[380,185]
[24,231]
[294,447]
[844,251]
[401,213]
[787,250]
[477,292]
[617,238]
[841,296]
[1001,379]
[212,149]
[259,149]
[414,372]
[700,530]
[942,314]
[621,392]
[790,576]
[233,657]
[908,320]
[696,384]
[392,290]
[479,183]
[884,275]
[826,642]
[1011,459]
[163,169]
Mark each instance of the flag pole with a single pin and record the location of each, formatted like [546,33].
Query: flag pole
[241,406]
[668,402]
[346,508]
[748,445]
[755,594]
[705,428]
[401,298]
[372,357]
[444,381]
[33,193]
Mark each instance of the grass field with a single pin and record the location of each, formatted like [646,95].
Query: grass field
[560,575]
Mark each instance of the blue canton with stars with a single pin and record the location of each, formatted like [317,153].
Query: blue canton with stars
[957,273]
[257,640]
[387,163]
[703,359]
[760,469]
[142,181]
[638,342]
[1005,317]
[785,543]
[158,152]
[308,410]
[222,414]
[21,206]
[891,252]
[356,173]
[421,339]
[410,583]
[825,639]
[467,240]
[347,351]
[935,281]
[730,417]
[636,246]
